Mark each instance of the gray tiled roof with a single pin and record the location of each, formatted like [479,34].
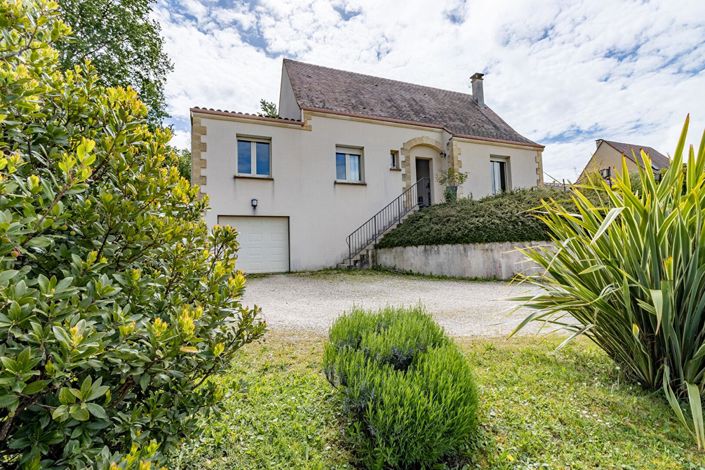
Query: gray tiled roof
[658,160]
[338,91]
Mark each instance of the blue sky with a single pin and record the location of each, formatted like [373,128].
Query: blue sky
[562,73]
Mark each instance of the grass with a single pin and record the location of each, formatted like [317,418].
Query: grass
[281,413]
[335,273]
[570,408]
[539,409]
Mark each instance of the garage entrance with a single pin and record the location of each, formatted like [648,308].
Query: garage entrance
[264,243]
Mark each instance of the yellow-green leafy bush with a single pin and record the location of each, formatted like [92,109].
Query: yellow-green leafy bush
[407,388]
[116,304]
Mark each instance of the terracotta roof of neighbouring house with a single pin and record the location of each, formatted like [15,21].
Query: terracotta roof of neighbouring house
[337,91]
[258,116]
[658,160]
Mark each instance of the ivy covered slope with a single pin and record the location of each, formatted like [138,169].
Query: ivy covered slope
[502,218]
[116,304]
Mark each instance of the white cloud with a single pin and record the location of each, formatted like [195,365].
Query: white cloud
[623,70]
[181,138]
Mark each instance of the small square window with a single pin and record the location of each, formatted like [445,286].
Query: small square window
[394,159]
[348,165]
[254,157]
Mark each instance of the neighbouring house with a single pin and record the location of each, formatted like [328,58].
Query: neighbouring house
[607,159]
[348,158]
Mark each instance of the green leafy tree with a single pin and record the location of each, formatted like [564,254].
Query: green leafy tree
[268,108]
[184,163]
[122,42]
[116,302]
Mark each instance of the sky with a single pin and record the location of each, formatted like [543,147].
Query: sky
[562,73]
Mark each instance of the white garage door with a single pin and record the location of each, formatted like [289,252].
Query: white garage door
[264,243]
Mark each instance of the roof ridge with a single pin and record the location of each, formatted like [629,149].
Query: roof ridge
[342,91]
[626,143]
[308,64]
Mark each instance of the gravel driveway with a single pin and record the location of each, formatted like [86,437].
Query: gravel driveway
[310,302]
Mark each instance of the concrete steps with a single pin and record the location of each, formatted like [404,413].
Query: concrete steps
[365,258]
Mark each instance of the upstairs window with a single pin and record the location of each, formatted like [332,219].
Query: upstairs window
[254,157]
[500,175]
[348,165]
[393,159]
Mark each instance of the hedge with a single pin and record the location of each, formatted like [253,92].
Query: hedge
[408,390]
[502,218]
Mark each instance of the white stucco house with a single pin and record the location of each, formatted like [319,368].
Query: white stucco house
[345,148]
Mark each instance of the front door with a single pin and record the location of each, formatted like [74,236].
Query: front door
[423,170]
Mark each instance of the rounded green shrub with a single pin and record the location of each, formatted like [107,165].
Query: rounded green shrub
[407,388]
[386,340]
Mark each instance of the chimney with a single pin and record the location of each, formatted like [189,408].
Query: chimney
[598,142]
[477,93]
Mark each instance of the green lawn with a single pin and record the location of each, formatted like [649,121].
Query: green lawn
[539,409]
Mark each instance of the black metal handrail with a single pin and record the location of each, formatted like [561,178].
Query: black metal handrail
[383,220]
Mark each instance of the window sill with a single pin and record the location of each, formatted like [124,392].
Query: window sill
[395,169]
[351,183]
[253,177]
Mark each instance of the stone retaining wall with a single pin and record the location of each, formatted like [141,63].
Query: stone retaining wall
[477,260]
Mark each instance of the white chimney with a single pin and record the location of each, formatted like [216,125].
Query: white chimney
[477,92]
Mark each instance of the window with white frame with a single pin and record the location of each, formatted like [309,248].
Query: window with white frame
[254,157]
[348,165]
[500,175]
